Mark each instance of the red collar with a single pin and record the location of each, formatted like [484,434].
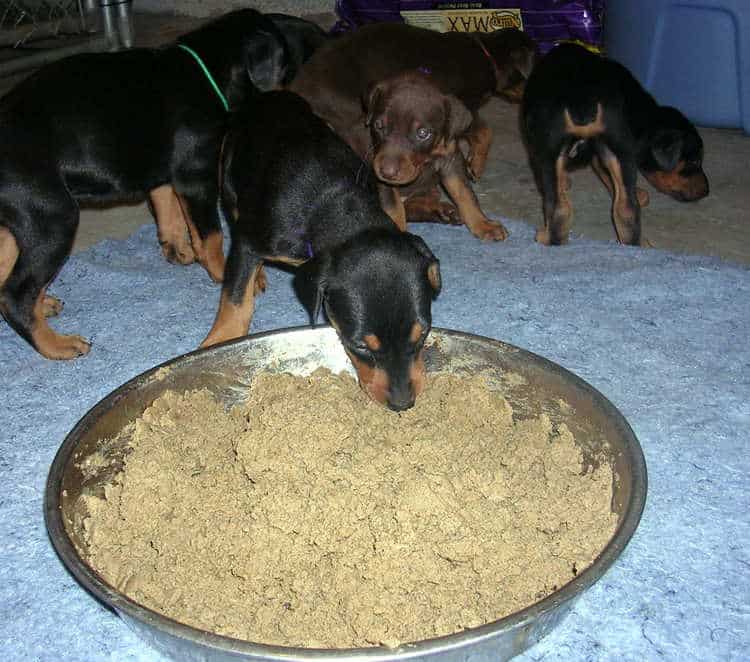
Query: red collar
[495,68]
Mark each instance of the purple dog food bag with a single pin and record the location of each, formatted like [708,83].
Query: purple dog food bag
[546,21]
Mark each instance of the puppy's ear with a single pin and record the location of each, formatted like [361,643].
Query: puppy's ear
[524,59]
[371,99]
[458,118]
[302,38]
[310,284]
[432,269]
[666,148]
[265,60]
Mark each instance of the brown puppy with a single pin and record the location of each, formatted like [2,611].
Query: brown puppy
[410,136]
[470,66]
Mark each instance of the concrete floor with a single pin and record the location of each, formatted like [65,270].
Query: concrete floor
[718,225]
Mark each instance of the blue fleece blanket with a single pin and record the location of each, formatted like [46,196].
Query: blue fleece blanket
[664,337]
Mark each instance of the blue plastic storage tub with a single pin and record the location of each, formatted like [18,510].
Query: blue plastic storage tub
[691,54]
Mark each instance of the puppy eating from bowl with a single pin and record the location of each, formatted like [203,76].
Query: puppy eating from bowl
[297,194]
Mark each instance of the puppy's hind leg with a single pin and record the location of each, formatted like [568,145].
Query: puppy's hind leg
[206,235]
[171,225]
[603,175]
[558,212]
[26,270]
[244,278]
[626,210]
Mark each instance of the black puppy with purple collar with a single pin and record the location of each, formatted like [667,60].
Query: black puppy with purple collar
[297,194]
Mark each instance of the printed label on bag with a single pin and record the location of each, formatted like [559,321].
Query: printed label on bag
[464,20]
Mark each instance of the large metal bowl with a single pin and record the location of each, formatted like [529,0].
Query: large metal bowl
[530,383]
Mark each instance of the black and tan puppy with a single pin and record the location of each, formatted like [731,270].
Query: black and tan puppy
[580,108]
[297,194]
[113,127]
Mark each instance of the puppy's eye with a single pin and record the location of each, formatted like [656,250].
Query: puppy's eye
[363,353]
[423,133]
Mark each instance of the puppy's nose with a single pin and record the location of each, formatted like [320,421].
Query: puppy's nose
[401,400]
[389,169]
[400,406]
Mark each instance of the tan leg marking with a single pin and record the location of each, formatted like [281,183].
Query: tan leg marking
[233,320]
[603,175]
[623,213]
[557,221]
[171,225]
[215,259]
[468,209]
[391,202]
[8,254]
[260,282]
[479,138]
[209,253]
[50,344]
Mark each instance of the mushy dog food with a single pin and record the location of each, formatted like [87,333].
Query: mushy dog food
[314,517]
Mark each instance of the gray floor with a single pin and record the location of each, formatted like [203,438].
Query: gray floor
[717,225]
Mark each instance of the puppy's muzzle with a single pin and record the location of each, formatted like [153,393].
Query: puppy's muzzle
[394,168]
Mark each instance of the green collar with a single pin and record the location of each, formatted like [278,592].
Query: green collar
[211,80]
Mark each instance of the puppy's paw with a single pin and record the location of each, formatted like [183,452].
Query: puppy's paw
[447,213]
[261,282]
[182,254]
[61,348]
[489,231]
[544,236]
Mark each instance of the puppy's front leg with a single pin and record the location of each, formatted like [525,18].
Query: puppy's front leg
[244,278]
[453,177]
[393,205]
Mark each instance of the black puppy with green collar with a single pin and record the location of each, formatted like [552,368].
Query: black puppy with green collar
[126,126]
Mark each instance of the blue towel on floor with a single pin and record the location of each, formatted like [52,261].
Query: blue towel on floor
[663,336]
